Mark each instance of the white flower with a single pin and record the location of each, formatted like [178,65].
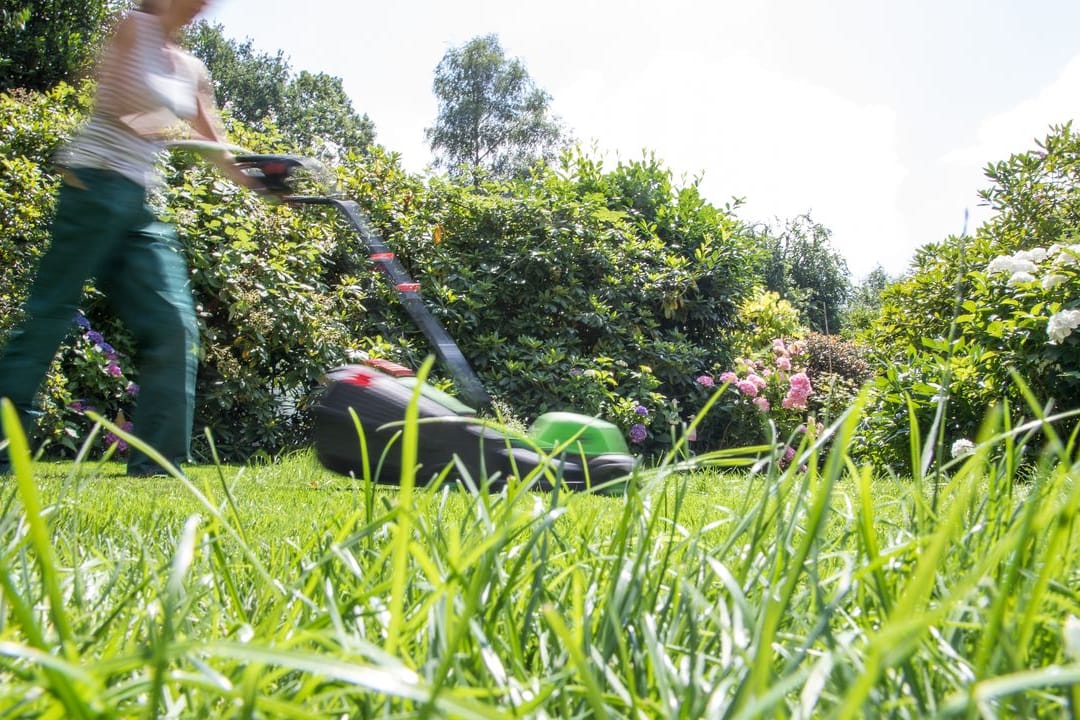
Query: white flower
[1035,255]
[1061,324]
[1052,281]
[1071,636]
[1009,264]
[1021,277]
[962,447]
[1068,255]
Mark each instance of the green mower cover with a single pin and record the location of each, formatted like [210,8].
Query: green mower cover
[597,437]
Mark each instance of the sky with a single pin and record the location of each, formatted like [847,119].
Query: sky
[876,118]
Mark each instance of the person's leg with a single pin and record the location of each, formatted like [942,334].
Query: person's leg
[149,287]
[89,224]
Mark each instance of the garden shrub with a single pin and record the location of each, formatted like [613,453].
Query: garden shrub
[607,292]
[974,311]
[838,369]
[604,292]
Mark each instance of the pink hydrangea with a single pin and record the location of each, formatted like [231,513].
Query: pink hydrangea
[801,382]
[759,381]
[706,381]
[783,362]
[729,377]
[748,388]
[779,348]
[762,403]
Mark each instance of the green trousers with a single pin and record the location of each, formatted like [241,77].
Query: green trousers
[106,231]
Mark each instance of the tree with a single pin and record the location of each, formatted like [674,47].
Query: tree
[491,114]
[865,303]
[316,106]
[44,42]
[804,269]
[258,88]
[250,83]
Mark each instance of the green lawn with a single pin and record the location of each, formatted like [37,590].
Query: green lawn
[284,591]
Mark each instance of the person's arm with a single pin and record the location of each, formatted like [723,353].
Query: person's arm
[208,126]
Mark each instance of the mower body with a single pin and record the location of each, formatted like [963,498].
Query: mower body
[576,451]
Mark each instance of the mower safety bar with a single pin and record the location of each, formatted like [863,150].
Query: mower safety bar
[472,390]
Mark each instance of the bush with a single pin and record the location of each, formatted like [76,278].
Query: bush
[606,292]
[975,312]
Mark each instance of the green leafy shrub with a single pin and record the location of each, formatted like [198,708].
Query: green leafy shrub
[606,292]
[602,291]
[976,310]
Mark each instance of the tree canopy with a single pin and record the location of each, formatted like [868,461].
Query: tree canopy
[492,116]
[257,86]
[805,269]
[44,42]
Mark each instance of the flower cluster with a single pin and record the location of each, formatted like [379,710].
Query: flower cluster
[756,377]
[106,381]
[770,384]
[1056,260]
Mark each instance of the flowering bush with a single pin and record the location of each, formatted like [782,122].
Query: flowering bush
[768,386]
[1019,314]
[96,381]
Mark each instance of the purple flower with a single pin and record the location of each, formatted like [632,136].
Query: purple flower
[95,337]
[113,370]
[574,372]
[638,433]
[705,381]
[641,410]
[109,350]
[132,389]
[81,321]
[77,406]
[112,439]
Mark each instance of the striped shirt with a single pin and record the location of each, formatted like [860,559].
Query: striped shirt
[139,96]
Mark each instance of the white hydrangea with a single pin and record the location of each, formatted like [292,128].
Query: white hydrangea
[962,447]
[1071,636]
[1052,280]
[1068,254]
[1061,325]
[1021,277]
[1035,255]
[1010,264]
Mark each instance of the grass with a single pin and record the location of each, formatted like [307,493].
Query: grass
[706,591]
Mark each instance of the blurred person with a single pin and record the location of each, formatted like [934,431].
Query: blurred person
[104,229]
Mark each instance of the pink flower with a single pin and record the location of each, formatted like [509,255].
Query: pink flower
[779,348]
[706,381]
[747,388]
[762,403]
[759,381]
[783,363]
[113,370]
[729,377]
[800,382]
[794,399]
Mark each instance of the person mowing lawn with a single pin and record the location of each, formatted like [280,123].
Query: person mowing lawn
[104,229]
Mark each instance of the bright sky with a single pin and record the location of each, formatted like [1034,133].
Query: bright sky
[875,117]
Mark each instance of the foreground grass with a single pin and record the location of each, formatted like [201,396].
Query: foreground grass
[282,591]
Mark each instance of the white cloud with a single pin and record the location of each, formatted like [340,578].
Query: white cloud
[1014,130]
[786,145]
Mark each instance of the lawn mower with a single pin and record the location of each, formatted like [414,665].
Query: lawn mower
[575,450]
